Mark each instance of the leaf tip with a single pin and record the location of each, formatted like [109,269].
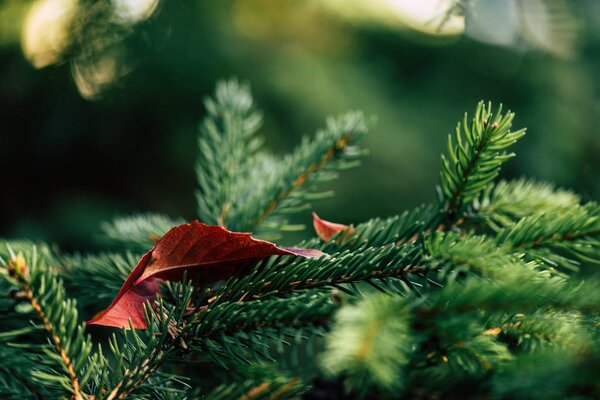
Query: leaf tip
[326,229]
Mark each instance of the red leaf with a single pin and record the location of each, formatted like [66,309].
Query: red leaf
[207,253]
[325,229]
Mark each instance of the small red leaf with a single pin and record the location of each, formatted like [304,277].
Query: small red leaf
[325,229]
[207,253]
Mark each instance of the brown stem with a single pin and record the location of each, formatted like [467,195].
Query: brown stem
[138,375]
[255,391]
[18,270]
[303,177]
[285,388]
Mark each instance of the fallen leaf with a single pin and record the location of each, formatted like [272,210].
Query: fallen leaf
[325,229]
[206,253]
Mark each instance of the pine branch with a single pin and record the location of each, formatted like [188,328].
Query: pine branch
[453,333]
[505,203]
[454,296]
[245,189]
[85,274]
[399,229]
[515,291]
[14,385]
[554,374]
[227,146]
[241,325]
[475,160]
[251,389]
[559,238]
[258,382]
[137,232]
[296,179]
[245,331]
[370,344]
[69,362]
[140,354]
[226,318]
[278,276]
[541,330]
[454,255]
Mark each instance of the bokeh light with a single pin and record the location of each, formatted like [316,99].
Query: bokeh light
[45,34]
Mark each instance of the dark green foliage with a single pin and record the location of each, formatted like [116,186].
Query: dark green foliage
[259,382]
[46,347]
[558,237]
[137,232]
[246,189]
[85,274]
[463,331]
[504,203]
[477,298]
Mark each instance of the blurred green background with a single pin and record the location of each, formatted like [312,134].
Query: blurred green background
[100,100]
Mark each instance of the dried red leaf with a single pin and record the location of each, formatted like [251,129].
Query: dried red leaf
[325,229]
[207,253]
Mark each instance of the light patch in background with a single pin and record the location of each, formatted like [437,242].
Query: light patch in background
[93,76]
[546,25]
[551,26]
[94,37]
[45,33]
[493,22]
[133,11]
[433,17]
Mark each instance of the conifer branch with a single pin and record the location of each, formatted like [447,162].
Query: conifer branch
[452,255]
[560,237]
[454,295]
[460,324]
[232,317]
[544,229]
[256,331]
[137,232]
[370,345]
[313,161]
[140,355]
[399,229]
[84,274]
[50,330]
[475,160]
[245,189]
[506,202]
[72,349]
[261,381]
[541,329]
[276,277]
[228,144]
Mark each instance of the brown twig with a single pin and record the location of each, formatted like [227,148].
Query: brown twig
[18,269]
[339,145]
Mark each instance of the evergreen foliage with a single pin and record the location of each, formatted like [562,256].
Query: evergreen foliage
[246,189]
[488,293]
[137,232]
[475,159]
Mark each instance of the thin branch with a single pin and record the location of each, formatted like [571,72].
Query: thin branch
[18,269]
[453,206]
[139,374]
[566,237]
[339,146]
